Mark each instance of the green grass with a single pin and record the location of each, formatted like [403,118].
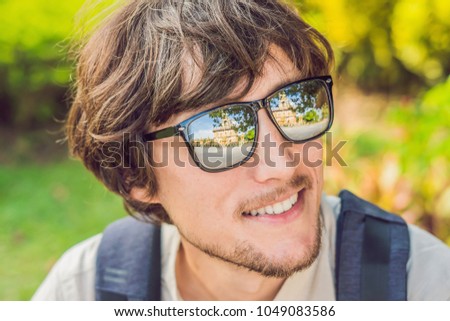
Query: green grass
[45,209]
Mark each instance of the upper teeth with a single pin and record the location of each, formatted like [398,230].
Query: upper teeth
[276,208]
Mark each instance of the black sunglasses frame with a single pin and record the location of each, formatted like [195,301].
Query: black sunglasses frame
[256,105]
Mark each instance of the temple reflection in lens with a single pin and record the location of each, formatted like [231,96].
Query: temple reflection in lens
[301,110]
[223,137]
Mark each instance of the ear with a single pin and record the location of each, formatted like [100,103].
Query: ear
[141,194]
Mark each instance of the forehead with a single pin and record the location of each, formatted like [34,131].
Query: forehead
[277,71]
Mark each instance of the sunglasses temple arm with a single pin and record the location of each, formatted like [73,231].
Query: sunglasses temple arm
[163,133]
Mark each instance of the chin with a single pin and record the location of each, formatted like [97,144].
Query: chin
[282,259]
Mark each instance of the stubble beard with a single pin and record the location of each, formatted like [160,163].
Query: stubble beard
[247,256]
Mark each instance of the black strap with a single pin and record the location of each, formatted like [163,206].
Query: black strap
[372,250]
[375,260]
[129,262]
[103,295]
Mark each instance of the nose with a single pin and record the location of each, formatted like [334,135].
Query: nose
[274,154]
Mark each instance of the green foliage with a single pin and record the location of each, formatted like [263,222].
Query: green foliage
[44,211]
[403,163]
[33,72]
[420,36]
[425,148]
[382,45]
[368,144]
[427,124]
[250,135]
[387,45]
[311,115]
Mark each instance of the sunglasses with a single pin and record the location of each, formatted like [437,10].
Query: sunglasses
[225,137]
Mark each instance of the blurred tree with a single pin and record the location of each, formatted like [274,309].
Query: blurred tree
[421,37]
[403,163]
[386,44]
[380,44]
[423,152]
[33,73]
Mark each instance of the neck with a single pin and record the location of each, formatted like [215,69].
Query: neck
[201,277]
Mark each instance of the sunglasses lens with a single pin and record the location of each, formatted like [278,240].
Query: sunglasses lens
[302,110]
[223,137]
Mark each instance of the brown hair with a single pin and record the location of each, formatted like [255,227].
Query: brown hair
[131,75]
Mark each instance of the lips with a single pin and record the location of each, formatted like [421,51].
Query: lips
[276,208]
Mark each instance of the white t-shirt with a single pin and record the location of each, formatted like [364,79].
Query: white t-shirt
[428,267]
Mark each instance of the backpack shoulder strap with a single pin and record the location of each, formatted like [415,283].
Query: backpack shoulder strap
[129,262]
[372,250]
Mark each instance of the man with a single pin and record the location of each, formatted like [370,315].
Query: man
[207,116]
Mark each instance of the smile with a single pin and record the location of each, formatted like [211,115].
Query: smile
[275,209]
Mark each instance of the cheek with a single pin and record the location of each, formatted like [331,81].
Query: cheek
[183,188]
[169,152]
[312,154]
[312,163]
[174,171]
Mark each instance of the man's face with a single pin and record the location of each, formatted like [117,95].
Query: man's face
[212,210]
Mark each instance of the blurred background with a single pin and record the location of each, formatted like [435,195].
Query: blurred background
[392,99]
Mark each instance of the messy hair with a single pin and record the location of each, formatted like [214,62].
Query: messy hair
[132,75]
